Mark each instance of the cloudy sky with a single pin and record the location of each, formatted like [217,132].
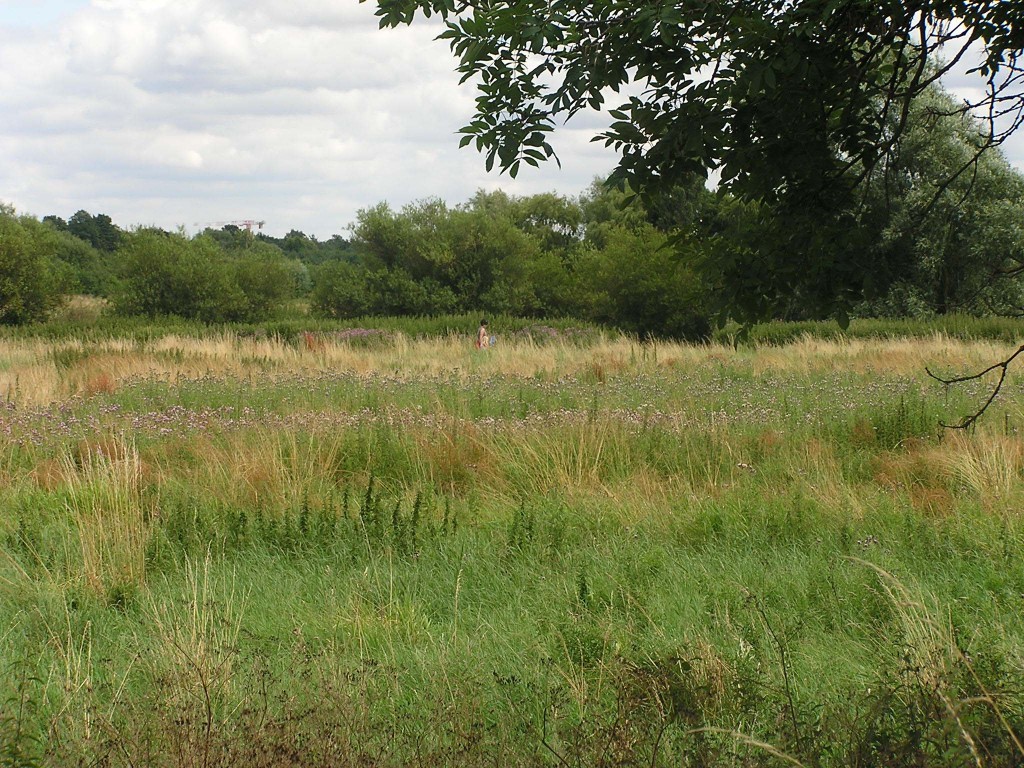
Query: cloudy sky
[193,112]
[189,112]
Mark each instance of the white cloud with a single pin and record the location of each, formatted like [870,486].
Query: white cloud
[298,112]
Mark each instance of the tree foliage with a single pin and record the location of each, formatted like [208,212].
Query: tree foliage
[485,255]
[926,233]
[163,273]
[99,230]
[30,278]
[783,97]
[797,104]
[949,233]
[644,287]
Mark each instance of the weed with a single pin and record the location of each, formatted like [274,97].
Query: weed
[20,741]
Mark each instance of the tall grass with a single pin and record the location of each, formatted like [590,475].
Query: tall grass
[250,551]
[112,520]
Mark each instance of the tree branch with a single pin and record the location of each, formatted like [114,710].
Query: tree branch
[1001,366]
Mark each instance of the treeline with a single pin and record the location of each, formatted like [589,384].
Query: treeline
[909,244]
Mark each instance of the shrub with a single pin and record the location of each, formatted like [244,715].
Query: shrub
[167,274]
[266,279]
[646,287]
[340,290]
[29,280]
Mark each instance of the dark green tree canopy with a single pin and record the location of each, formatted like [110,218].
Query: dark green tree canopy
[99,231]
[784,97]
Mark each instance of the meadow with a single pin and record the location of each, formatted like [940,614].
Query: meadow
[368,547]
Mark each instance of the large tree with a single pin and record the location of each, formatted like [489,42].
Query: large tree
[947,235]
[795,102]
[783,96]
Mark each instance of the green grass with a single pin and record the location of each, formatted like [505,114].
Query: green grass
[660,566]
[488,641]
[964,327]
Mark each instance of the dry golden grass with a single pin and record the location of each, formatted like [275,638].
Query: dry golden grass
[110,516]
[820,474]
[40,372]
[896,356]
[271,469]
[988,466]
[919,465]
[452,457]
[589,458]
[81,309]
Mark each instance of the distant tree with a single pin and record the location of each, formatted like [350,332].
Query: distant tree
[560,287]
[644,287]
[485,249]
[336,248]
[605,208]
[56,222]
[340,290]
[230,237]
[311,251]
[99,231]
[299,245]
[82,268]
[454,249]
[413,238]
[512,291]
[928,234]
[30,285]
[266,278]
[948,235]
[167,274]
[395,292]
[556,222]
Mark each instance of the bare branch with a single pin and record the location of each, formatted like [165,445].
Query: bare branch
[1001,366]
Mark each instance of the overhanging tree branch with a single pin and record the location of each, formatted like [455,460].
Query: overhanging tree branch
[1002,366]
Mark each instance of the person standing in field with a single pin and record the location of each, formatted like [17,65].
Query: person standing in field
[482,339]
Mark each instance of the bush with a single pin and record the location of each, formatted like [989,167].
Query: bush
[167,274]
[964,327]
[267,280]
[30,285]
[340,291]
[645,286]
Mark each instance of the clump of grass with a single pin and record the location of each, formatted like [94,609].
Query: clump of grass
[189,653]
[988,466]
[909,419]
[21,743]
[111,520]
[958,716]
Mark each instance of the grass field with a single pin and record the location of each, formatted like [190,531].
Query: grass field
[347,548]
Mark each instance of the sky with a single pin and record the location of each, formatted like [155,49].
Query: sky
[297,113]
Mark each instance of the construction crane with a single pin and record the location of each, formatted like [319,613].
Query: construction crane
[246,224]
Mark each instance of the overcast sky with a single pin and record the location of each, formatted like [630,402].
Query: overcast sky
[294,112]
